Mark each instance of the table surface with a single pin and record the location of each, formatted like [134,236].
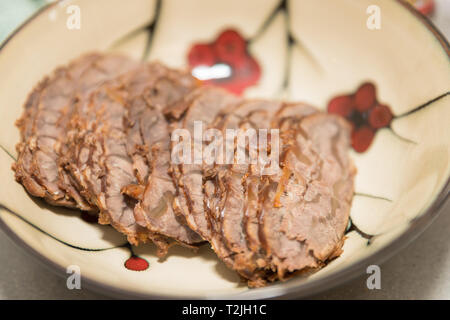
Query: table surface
[420,271]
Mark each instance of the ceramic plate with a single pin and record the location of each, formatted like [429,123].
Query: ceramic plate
[290,49]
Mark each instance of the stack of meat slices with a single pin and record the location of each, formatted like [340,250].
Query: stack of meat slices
[96,135]
[43,125]
[269,226]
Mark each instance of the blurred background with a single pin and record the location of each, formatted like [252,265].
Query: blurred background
[421,271]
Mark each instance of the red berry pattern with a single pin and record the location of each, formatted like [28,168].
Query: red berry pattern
[229,48]
[362,138]
[365,97]
[380,116]
[426,7]
[342,105]
[365,114]
[201,54]
[135,263]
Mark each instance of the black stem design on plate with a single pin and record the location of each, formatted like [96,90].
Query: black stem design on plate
[7,152]
[151,28]
[395,134]
[362,234]
[413,111]
[290,48]
[2,207]
[282,7]
[359,194]
[291,40]
[130,248]
[128,36]
[353,227]
[423,106]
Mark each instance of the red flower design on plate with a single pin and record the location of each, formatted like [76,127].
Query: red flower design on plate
[134,263]
[424,6]
[365,114]
[226,63]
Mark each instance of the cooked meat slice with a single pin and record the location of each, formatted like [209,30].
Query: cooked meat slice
[257,187]
[290,113]
[305,209]
[255,184]
[43,126]
[169,92]
[279,194]
[228,213]
[22,167]
[286,255]
[123,124]
[100,161]
[84,120]
[155,210]
[327,198]
[103,164]
[166,88]
[233,193]
[203,106]
[149,146]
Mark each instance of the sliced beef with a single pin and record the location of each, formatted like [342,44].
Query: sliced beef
[230,196]
[116,168]
[255,185]
[145,124]
[99,159]
[149,145]
[326,200]
[44,123]
[203,105]
[288,113]
[306,207]
[84,122]
[155,210]
[99,134]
